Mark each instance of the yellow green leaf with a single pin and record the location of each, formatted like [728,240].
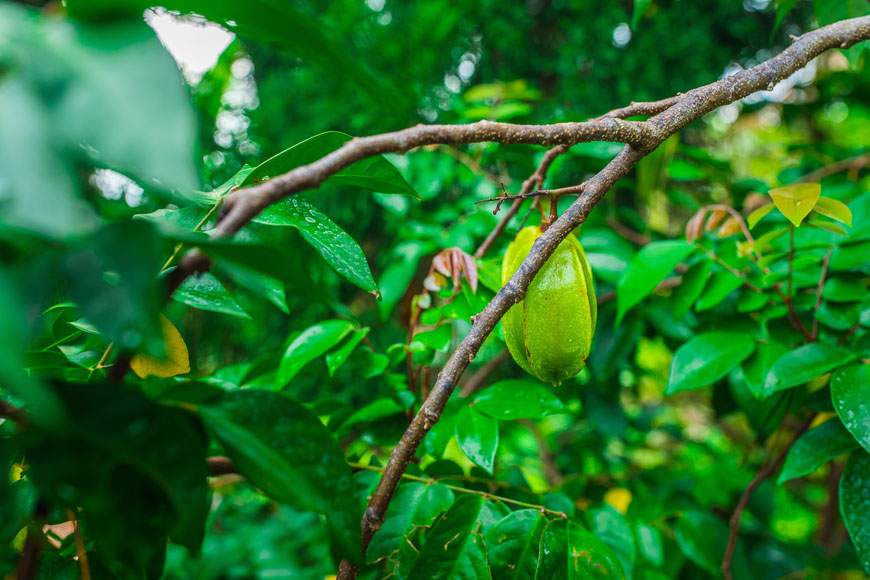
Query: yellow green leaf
[759,214]
[827,226]
[834,209]
[177,361]
[796,201]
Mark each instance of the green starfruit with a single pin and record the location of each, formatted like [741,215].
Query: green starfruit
[549,333]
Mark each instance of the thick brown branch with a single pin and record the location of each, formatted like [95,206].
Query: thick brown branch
[245,204]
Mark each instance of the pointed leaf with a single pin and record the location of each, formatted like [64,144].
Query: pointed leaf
[796,201]
[313,342]
[687,293]
[757,215]
[518,398]
[283,449]
[834,209]
[513,544]
[452,550]
[815,448]
[610,526]
[850,391]
[414,505]
[336,358]
[854,507]
[477,435]
[804,364]
[570,552]
[373,173]
[647,268]
[702,537]
[337,247]
[721,284]
[207,293]
[706,358]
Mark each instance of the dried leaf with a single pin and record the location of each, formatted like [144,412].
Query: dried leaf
[177,361]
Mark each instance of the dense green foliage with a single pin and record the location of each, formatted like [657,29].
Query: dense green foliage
[306,349]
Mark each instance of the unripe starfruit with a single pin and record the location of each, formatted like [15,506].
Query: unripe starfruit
[549,333]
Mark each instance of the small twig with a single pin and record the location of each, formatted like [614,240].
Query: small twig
[81,552]
[632,236]
[471,163]
[220,466]
[485,495]
[641,108]
[13,413]
[535,181]
[101,364]
[545,454]
[850,164]
[196,228]
[766,471]
[819,288]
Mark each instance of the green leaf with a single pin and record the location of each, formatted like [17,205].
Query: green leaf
[830,11]
[120,75]
[721,284]
[850,391]
[518,398]
[266,286]
[452,550]
[112,276]
[568,552]
[834,209]
[750,301]
[649,543]
[513,544]
[414,505]
[647,268]
[335,359]
[827,226]
[207,293]
[844,289]
[796,201]
[38,192]
[815,448]
[377,409]
[340,251]
[686,294]
[610,526]
[137,470]
[804,364]
[477,435]
[854,505]
[757,215]
[283,449]
[373,173]
[706,358]
[702,537]
[850,256]
[756,367]
[838,316]
[313,342]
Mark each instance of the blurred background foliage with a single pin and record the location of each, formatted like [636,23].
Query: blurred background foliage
[100,120]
